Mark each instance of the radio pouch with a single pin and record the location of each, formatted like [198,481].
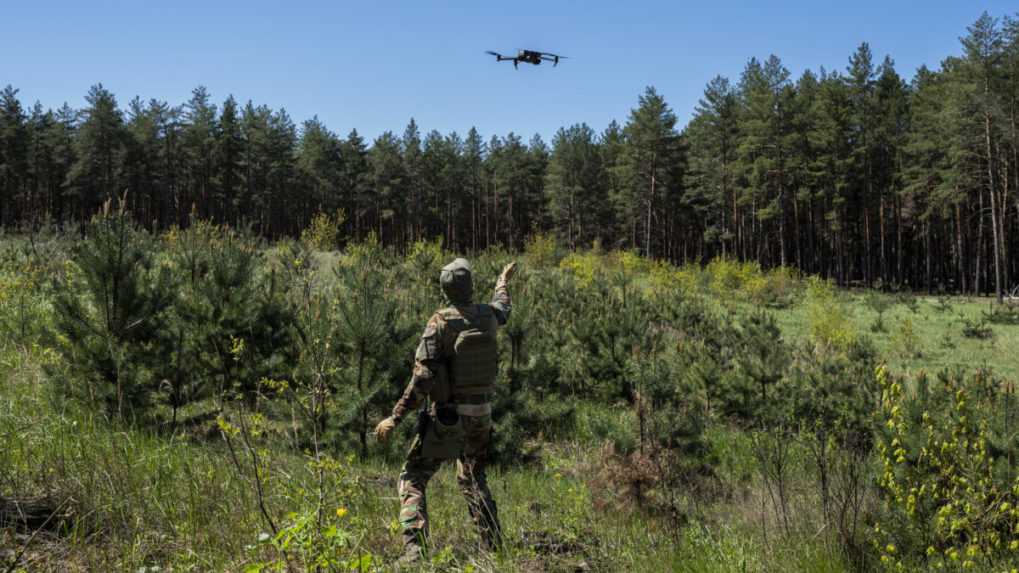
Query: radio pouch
[443,436]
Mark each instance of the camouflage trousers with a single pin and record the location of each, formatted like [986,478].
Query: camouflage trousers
[470,476]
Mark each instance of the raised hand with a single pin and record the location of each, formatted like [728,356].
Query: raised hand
[508,271]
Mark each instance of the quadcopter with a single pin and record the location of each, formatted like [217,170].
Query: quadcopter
[528,57]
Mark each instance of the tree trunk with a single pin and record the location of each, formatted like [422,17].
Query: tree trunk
[650,204]
[990,187]
[959,253]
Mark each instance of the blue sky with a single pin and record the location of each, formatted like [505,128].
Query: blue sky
[375,64]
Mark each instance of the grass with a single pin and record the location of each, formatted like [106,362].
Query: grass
[134,500]
[140,500]
[937,324]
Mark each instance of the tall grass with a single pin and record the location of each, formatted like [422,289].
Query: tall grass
[135,497]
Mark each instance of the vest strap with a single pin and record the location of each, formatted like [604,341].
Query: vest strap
[472,390]
[474,409]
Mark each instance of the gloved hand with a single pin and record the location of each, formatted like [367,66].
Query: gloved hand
[385,428]
[507,272]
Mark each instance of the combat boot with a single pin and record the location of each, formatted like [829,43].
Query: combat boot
[413,555]
[491,542]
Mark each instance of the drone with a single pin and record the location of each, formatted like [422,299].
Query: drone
[528,57]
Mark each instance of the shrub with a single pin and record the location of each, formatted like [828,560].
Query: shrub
[976,328]
[663,277]
[107,311]
[948,480]
[1002,314]
[878,303]
[583,266]
[234,311]
[729,275]
[832,393]
[611,342]
[24,308]
[317,537]
[324,232]
[827,316]
[631,262]
[905,340]
[777,288]
[669,467]
[541,250]
[370,339]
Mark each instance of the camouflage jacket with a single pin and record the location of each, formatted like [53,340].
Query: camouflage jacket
[433,350]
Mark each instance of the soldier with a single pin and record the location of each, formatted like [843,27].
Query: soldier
[455,368]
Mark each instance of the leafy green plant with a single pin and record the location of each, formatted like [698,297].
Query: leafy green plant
[541,250]
[879,303]
[319,538]
[1002,314]
[777,288]
[975,328]
[905,340]
[234,311]
[24,289]
[613,342]
[325,230]
[369,339]
[948,480]
[944,303]
[107,311]
[827,317]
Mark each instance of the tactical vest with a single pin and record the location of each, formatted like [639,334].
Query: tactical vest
[474,362]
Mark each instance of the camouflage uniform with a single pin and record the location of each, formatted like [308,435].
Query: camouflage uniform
[474,409]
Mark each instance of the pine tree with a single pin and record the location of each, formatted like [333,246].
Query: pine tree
[108,315]
[533,210]
[13,152]
[240,327]
[368,337]
[830,172]
[891,127]
[356,180]
[280,197]
[255,162]
[984,47]
[574,185]
[229,176]
[97,173]
[713,136]
[198,143]
[860,77]
[802,156]
[764,127]
[410,150]
[43,176]
[509,164]
[142,168]
[436,158]
[613,144]
[60,138]
[474,181]
[651,146]
[387,183]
